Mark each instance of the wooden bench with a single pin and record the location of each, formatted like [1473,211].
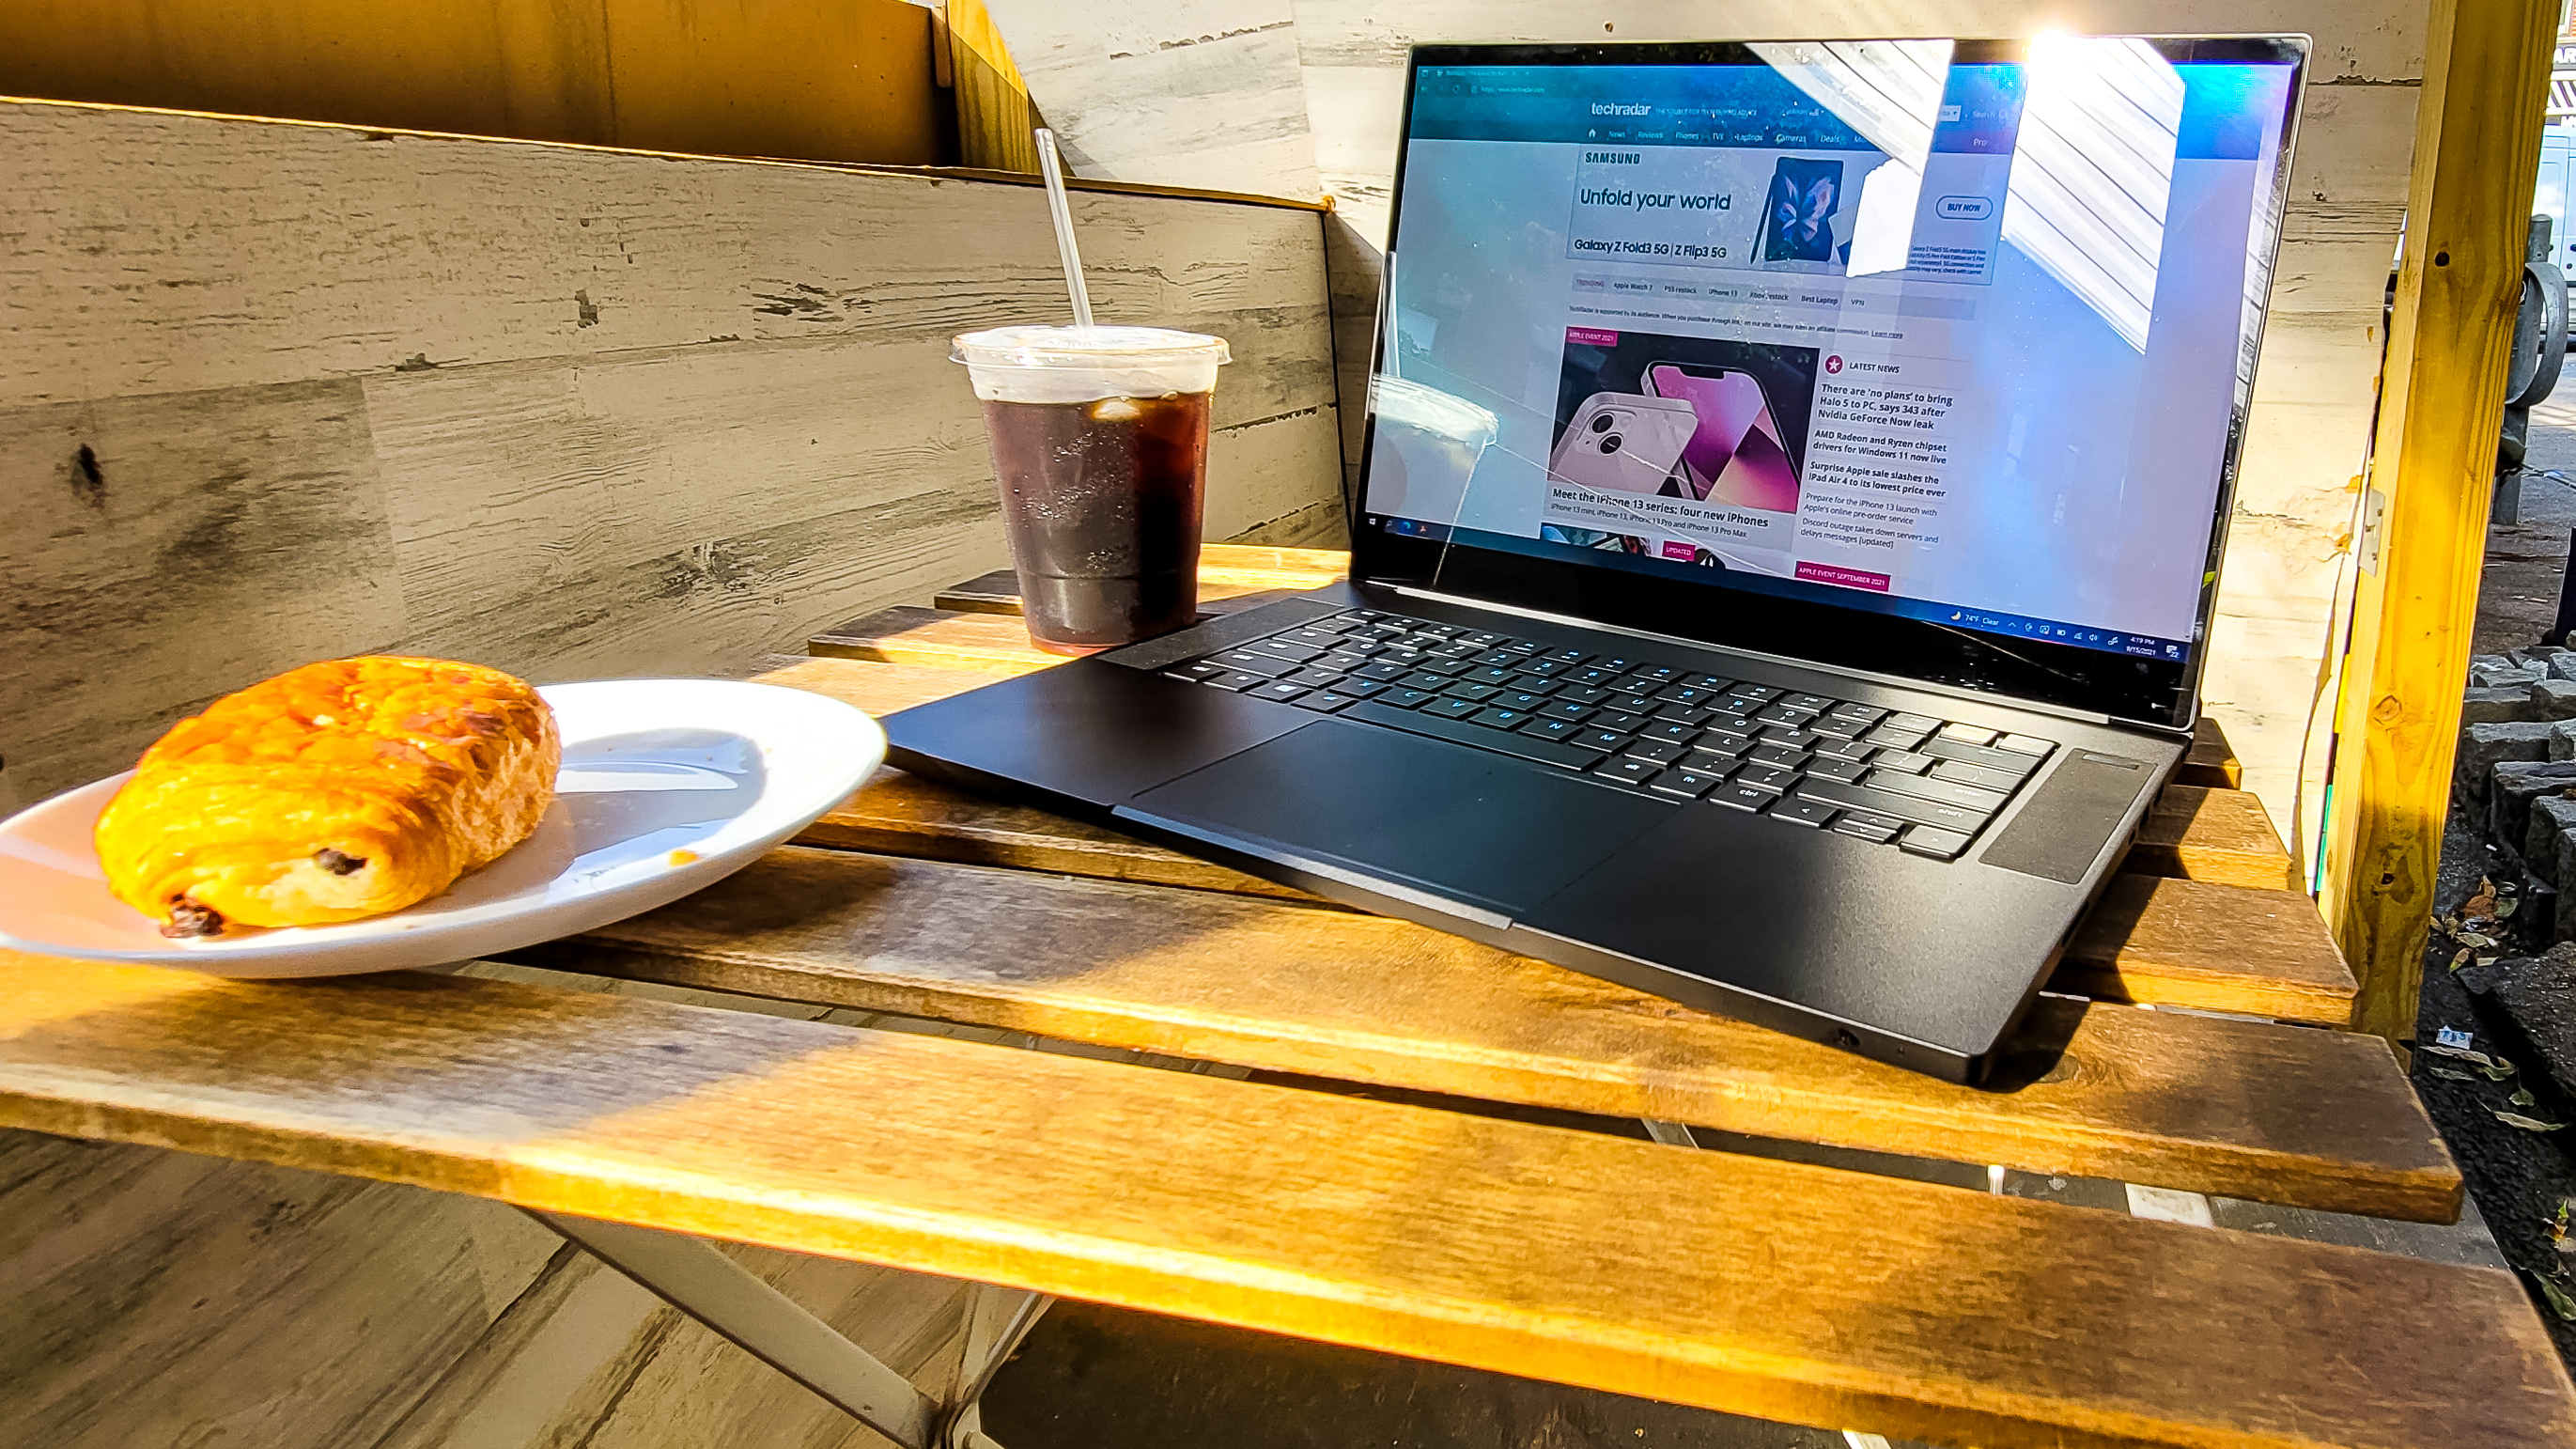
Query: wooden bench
[1731,1280]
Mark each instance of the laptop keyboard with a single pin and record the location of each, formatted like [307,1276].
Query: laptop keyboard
[1922,784]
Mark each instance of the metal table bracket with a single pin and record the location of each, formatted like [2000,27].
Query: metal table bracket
[692,1276]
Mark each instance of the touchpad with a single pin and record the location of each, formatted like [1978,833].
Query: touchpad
[1482,829]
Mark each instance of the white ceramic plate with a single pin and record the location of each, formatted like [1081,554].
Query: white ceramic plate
[668,785]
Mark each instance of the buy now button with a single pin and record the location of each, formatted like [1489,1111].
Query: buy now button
[1966,208]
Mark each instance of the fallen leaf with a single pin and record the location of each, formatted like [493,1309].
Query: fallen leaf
[2559,1303]
[2486,960]
[2527,1124]
[2522,1097]
[2448,1075]
[2506,908]
[2474,940]
[2463,1053]
[2461,958]
[2482,904]
[2498,1072]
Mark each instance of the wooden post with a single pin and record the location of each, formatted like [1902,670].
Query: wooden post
[2477,146]
[994,114]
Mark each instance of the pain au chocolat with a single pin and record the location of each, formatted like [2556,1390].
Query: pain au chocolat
[333,792]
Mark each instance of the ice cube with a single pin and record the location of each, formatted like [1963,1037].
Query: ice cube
[1114,410]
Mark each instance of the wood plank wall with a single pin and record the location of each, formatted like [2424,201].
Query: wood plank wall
[277,392]
[1169,67]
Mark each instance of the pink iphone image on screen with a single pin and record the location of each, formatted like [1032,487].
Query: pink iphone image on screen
[1736,456]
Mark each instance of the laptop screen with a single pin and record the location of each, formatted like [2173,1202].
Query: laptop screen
[1926,357]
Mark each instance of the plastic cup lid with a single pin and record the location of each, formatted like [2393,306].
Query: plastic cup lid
[1089,348]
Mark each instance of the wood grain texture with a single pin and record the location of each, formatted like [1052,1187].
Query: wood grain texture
[1786,1291]
[569,412]
[2220,836]
[2459,279]
[2247,1110]
[2211,948]
[2211,761]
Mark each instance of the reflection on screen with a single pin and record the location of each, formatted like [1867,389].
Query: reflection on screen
[1867,322]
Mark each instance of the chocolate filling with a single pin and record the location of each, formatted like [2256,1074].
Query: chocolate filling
[338,863]
[187,918]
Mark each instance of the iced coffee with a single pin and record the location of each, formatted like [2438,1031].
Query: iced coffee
[1099,439]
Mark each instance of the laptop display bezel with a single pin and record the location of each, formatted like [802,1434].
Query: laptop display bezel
[2151,691]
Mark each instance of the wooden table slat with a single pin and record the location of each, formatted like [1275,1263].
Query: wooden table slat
[1754,1286]
[2283,1114]
[2222,836]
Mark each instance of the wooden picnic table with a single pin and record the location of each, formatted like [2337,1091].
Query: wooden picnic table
[1446,1219]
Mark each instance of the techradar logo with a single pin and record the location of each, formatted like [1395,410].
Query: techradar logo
[1613,108]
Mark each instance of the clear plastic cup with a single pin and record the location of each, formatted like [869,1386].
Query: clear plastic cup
[1099,438]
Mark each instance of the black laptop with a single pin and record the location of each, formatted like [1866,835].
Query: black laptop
[1790,516]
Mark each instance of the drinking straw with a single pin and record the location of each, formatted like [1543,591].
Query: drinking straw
[1063,214]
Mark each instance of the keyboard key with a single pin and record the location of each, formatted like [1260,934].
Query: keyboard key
[1443,630]
[1640,705]
[1662,752]
[1628,771]
[1424,679]
[1196,672]
[1740,797]
[1847,771]
[1268,666]
[1567,656]
[1525,648]
[1683,714]
[1550,729]
[1452,649]
[1882,802]
[1452,708]
[1496,656]
[1594,675]
[1565,709]
[1542,668]
[1967,734]
[1490,674]
[1617,665]
[1383,670]
[1314,678]
[1403,698]
[1477,692]
[1736,704]
[1713,683]
[1816,702]
[1780,755]
[1841,729]
[1762,692]
[1481,639]
[1237,679]
[1320,638]
[1924,787]
[1922,722]
[1446,666]
[1802,812]
[1582,693]
[2004,760]
[1785,715]
[1503,719]
[1791,736]
[1361,688]
[1639,685]
[1684,694]
[2030,745]
[1680,732]
[1689,784]
[1278,689]
[1519,699]
[1934,842]
[1876,829]
[1326,701]
[1717,747]
[1535,684]
[1959,772]
[1283,649]
[1611,718]
[1894,738]
[1904,762]
[1601,739]
[1742,729]
[1768,777]
[1660,673]
[1853,750]
[1339,659]
[1866,714]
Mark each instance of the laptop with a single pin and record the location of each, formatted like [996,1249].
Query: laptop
[1794,483]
